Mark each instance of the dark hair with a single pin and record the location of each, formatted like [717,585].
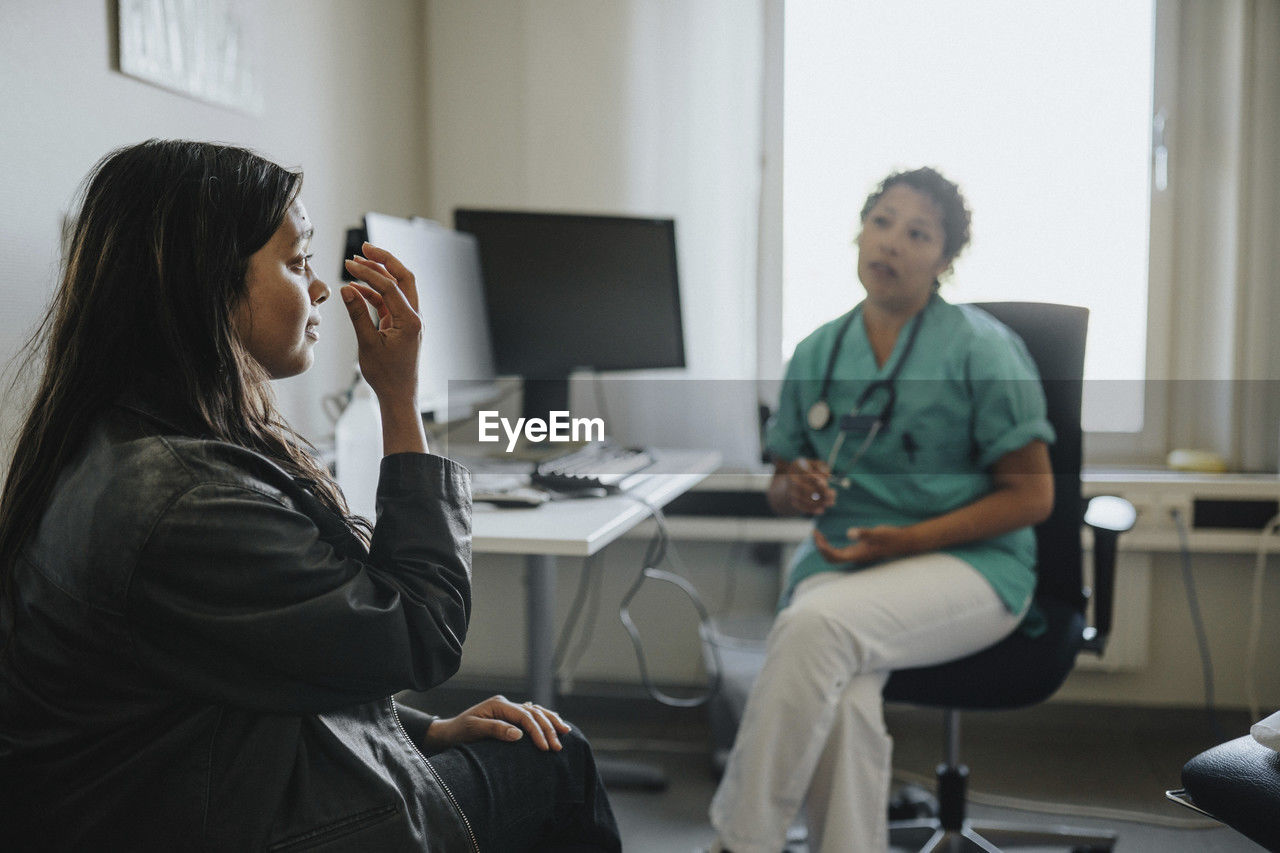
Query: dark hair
[154,268]
[945,194]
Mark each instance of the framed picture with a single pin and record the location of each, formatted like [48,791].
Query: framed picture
[198,48]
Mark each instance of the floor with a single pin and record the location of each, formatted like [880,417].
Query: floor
[1097,768]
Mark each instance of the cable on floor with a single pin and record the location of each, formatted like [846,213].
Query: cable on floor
[1064,809]
[654,556]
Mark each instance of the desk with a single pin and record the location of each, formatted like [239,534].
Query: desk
[574,528]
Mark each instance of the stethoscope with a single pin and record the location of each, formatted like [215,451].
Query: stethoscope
[819,415]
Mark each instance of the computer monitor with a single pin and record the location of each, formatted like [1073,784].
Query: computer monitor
[568,291]
[455,362]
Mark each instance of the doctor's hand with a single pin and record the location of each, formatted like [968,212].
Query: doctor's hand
[499,718]
[801,487]
[866,545]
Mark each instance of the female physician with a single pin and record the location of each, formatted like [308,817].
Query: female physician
[914,432]
[200,644]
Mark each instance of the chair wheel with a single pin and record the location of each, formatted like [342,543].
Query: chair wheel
[912,802]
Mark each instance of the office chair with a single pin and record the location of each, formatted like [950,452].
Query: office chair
[1019,670]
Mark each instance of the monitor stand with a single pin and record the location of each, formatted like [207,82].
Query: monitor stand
[543,396]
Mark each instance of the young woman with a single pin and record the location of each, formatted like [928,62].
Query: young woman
[200,643]
[914,433]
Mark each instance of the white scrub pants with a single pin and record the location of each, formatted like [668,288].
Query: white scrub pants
[813,729]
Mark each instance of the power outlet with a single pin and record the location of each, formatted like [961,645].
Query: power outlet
[1181,505]
[1156,512]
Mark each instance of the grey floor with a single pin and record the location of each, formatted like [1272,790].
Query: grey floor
[1103,768]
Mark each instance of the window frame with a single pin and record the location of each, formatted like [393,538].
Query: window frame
[1143,448]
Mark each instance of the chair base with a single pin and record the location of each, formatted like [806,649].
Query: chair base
[929,836]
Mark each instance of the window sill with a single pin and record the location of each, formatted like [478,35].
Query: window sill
[1223,513]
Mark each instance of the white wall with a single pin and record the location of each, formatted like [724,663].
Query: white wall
[343,100]
[643,107]
[1173,673]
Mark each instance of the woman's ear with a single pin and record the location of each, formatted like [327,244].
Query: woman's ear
[944,271]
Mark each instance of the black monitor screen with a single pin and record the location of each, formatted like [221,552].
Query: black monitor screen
[565,291]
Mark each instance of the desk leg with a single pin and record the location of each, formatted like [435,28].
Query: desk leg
[540,610]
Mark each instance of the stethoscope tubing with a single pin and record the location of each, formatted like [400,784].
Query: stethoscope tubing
[889,383]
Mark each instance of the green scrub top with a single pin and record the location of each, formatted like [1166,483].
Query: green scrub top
[968,394]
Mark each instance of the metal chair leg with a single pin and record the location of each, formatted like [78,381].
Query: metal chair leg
[929,836]
[1021,835]
[952,832]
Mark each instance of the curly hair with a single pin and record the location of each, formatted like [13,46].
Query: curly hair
[945,194]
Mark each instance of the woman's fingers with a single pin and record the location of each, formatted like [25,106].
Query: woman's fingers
[815,468]
[388,354]
[374,298]
[399,309]
[810,498]
[866,545]
[495,716]
[540,727]
[358,311]
[480,728]
[403,277]
[556,720]
[831,554]
[811,493]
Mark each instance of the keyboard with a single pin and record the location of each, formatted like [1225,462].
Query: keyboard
[517,497]
[501,484]
[596,466]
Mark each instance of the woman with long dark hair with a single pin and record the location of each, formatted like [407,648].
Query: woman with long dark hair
[200,642]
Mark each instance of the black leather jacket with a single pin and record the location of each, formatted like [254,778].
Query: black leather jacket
[203,657]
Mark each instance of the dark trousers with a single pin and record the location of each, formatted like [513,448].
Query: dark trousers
[517,797]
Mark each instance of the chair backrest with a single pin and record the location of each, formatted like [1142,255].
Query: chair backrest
[1055,337]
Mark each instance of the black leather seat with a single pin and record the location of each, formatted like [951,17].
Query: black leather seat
[1237,783]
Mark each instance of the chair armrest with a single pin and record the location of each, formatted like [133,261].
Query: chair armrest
[1107,516]
[1238,782]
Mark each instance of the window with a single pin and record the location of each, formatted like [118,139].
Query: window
[1042,112]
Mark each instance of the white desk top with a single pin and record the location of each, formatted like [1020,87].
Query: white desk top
[581,527]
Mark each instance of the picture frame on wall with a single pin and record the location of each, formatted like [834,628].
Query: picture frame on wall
[199,48]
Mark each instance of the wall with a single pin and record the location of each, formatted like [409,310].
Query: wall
[642,107]
[1173,674]
[343,100]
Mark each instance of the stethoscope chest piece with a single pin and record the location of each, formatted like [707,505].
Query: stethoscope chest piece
[819,415]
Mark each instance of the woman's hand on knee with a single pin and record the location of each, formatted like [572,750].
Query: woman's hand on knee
[499,718]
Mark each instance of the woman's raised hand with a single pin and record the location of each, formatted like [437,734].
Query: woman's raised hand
[388,351]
